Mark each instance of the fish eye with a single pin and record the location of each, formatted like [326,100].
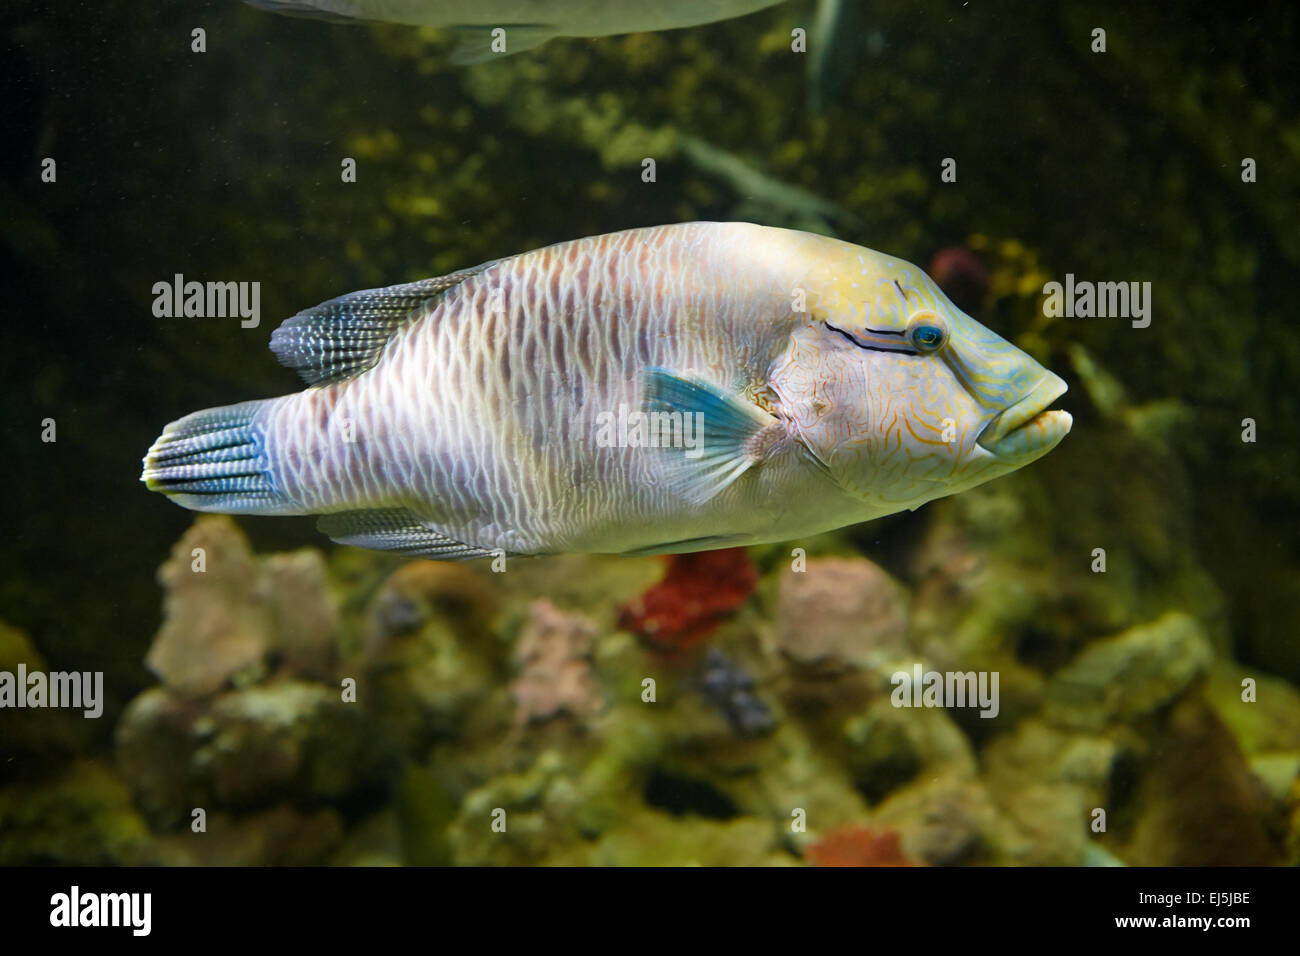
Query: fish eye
[927,332]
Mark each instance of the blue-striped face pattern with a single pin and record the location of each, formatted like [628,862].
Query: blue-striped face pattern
[901,396]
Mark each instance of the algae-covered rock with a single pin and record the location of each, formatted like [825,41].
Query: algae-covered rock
[277,836]
[598,585]
[888,746]
[35,741]
[1130,675]
[517,818]
[83,817]
[155,743]
[1050,821]
[425,811]
[1291,837]
[1039,751]
[794,779]
[430,655]
[17,648]
[287,739]
[1278,772]
[655,839]
[946,820]
[1263,711]
[1004,583]
[376,841]
[247,748]
[424,686]
[559,811]
[1198,804]
[1049,781]
[980,591]
[419,590]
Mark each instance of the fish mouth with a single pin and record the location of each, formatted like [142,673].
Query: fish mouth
[1029,428]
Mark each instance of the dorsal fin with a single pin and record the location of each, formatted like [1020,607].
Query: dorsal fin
[344,336]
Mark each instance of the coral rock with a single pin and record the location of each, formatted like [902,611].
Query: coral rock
[842,612]
[555,676]
[228,616]
[304,617]
[214,626]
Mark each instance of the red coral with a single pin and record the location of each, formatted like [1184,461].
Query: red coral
[858,846]
[696,594]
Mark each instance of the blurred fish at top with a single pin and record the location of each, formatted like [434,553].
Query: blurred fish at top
[839,39]
[527,23]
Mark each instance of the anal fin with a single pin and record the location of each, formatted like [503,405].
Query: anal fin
[689,545]
[396,529]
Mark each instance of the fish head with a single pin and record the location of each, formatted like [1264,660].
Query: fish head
[903,398]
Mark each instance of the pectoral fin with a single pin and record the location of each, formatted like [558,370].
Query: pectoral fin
[729,433]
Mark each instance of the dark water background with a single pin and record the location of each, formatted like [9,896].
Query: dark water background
[225,166]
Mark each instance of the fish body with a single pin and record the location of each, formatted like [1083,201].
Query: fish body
[527,23]
[799,384]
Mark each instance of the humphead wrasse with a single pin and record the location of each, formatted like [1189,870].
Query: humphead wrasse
[489,28]
[669,389]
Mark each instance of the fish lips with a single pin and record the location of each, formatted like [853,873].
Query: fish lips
[1029,428]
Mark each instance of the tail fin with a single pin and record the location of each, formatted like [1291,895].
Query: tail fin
[216,460]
